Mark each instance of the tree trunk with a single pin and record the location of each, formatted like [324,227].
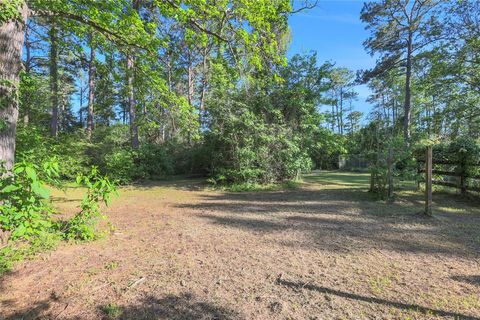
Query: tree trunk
[191,86]
[91,89]
[28,68]
[132,104]
[11,44]
[80,109]
[340,114]
[204,81]
[131,92]
[334,118]
[54,80]
[408,98]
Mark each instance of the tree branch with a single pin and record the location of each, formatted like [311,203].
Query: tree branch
[109,34]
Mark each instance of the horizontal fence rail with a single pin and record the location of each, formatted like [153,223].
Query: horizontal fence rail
[461,172]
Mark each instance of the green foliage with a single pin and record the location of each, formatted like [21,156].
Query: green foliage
[26,224]
[23,201]
[149,162]
[34,145]
[254,187]
[99,190]
[154,161]
[461,155]
[9,10]
[121,165]
[19,250]
[462,151]
[267,131]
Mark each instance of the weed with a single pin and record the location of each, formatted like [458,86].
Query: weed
[111,265]
[112,311]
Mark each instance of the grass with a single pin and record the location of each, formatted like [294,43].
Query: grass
[111,311]
[256,187]
[340,178]
[20,250]
[329,237]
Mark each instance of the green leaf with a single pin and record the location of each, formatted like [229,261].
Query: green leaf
[31,173]
[40,190]
[10,188]
[20,231]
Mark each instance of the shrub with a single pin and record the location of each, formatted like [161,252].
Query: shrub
[23,201]
[154,161]
[99,189]
[120,164]
[35,146]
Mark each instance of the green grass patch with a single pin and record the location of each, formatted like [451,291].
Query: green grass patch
[20,250]
[111,311]
[256,187]
[340,178]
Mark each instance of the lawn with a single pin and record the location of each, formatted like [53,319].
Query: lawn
[325,250]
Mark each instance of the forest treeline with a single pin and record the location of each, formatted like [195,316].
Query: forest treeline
[147,89]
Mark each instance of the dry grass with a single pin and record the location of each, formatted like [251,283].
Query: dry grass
[327,250]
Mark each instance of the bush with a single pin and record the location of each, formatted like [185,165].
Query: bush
[120,164]
[154,161]
[26,224]
[23,201]
[37,147]
[264,153]
[149,162]
[99,189]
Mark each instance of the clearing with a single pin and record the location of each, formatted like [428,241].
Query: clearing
[327,250]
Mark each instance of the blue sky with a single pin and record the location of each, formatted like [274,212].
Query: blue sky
[333,29]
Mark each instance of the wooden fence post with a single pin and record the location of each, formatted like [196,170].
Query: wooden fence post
[428,182]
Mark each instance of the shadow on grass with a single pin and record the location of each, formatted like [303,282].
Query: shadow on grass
[178,183]
[388,303]
[181,307]
[336,235]
[171,307]
[330,215]
[65,199]
[475,280]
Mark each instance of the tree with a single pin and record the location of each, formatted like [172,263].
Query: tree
[12,29]
[53,64]
[250,23]
[354,119]
[400,29]
[342,82]
[91,87]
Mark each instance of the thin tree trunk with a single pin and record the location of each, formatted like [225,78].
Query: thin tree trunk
[394,111]
[408,99]
[131,92]
[91,89]
[191,86]
[11,44]
[132,103]
[54,80]
[28,59]
[340,114]
[80,109]
[204,81]
[334,118]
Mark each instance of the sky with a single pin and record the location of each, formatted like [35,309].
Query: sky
[334,30]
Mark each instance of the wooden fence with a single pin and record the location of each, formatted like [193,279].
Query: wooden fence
[461,173]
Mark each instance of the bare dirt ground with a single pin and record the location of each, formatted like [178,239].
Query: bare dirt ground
[176,250]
